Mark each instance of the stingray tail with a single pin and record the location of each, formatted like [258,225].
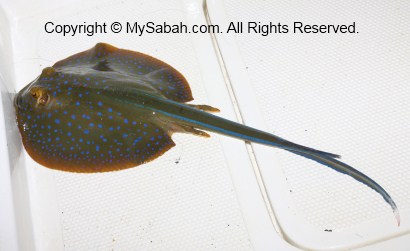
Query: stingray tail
[197,119]
[357,175]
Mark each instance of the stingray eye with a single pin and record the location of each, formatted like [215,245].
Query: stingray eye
[43,99]
[34,94]
[40,95]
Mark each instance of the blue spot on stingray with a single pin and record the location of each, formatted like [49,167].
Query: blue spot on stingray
[57,121]
[126,121]
[86,131]
[73,116]
[100,104]
[109,109]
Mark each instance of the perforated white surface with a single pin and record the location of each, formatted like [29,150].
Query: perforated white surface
[346,94]
[184,200]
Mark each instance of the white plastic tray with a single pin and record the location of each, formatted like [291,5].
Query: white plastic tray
[203,194]
[345,93]
[184,200]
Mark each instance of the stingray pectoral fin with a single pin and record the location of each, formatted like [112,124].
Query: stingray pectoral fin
[102,66]
[357,175]
[169,82]
[133,65]
[134,143]
[89,58]
[115,145]
[163,77]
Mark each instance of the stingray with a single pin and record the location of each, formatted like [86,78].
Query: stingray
[107,109]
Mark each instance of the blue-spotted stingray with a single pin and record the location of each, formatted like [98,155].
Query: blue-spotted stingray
[107,109]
